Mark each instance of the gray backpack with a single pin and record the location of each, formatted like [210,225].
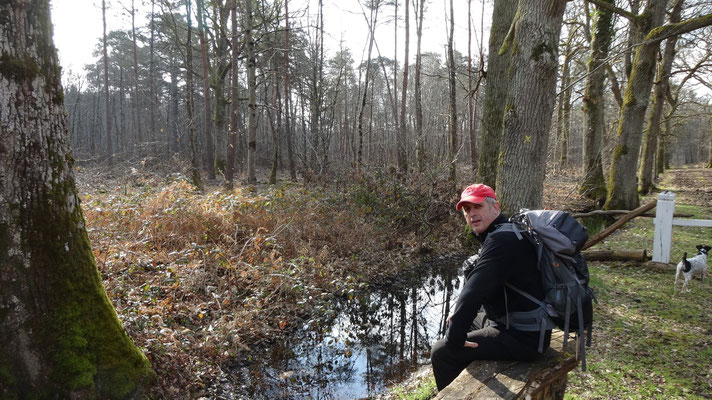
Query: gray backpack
[568,302]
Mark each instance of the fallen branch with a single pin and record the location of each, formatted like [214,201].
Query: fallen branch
[606,232]
[616,255]
[619,212]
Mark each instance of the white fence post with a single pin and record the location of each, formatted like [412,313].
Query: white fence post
[664,211]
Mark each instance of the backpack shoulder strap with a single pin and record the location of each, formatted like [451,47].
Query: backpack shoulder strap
[511,227]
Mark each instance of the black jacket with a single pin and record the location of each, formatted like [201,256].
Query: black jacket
[502,258]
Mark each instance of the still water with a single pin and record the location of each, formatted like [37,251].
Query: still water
[357,345]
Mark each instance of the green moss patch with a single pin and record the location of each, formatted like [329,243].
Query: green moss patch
[18,69]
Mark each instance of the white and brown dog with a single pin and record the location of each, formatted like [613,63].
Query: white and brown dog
[696,264]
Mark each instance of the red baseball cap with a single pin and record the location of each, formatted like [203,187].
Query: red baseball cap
[475,194]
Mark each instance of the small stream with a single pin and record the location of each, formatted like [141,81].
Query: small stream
[359,345]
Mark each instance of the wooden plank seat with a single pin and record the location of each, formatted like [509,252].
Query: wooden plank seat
[544,378]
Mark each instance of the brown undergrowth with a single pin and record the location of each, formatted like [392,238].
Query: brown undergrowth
[200,278]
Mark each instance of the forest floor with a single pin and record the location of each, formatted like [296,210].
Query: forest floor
[202,278]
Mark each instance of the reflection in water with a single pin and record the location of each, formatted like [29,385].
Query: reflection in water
[359,345]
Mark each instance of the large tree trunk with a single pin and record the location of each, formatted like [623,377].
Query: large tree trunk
[622,185]
[646,174]
[530,102]
[593,183]
[497,80]
[60,335]
[218,78]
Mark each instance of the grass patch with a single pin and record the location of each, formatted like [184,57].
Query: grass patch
[650,341]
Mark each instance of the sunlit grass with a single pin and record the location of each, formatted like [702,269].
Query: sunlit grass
[650,341]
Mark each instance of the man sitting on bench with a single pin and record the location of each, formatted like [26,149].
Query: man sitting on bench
[503,257]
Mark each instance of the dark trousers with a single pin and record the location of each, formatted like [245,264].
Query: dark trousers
[493,344]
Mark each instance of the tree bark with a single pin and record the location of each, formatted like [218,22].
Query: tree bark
[495,96]
[530,102]
[60,335]
[646,173]
[593,183]
[218,78]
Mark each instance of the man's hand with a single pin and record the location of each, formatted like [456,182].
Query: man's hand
[474,345]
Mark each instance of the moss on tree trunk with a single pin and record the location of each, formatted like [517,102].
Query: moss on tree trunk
[59,332]
[495,92]
[593,184]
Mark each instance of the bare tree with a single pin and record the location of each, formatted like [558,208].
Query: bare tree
[107,103]
[287,96]
[419,138]
[251,94]
[452,123]
[195,165]
[136,95]
[234,103]
[207,110]
[373,19]
[402,136]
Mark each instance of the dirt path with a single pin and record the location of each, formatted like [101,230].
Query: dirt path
[692,185]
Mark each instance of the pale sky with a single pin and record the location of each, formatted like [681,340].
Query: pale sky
[78,27]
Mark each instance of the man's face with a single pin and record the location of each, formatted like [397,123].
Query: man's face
[479,216]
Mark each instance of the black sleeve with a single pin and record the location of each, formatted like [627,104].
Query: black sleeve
[485,281]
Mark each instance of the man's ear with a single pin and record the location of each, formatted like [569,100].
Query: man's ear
[496,206]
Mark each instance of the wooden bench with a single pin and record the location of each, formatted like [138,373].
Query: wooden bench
[544,378]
